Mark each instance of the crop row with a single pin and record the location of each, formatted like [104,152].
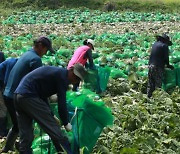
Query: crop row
[84,16]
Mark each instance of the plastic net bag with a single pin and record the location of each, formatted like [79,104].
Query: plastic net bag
[169,80]
[90,119]
[97,80]
[103,77]
[91,80]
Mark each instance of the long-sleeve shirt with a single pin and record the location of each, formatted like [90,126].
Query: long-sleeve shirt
[159,54]
[44,82]
[25,64]
[5,69]
[2,58]
[88,55]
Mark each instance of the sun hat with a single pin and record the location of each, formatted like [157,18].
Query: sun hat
[91,42]
[165,38]
[79,71]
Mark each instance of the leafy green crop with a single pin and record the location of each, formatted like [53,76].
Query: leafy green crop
[85,16]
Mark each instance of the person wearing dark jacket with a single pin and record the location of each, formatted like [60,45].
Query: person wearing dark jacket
[2,57]
[5,68]
[159,58]
[25,64]
[31,104]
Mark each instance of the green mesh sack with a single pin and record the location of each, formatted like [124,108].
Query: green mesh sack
[91,80]
[169,80]
[97,80]
[103,77]
[70,108]
[91,117]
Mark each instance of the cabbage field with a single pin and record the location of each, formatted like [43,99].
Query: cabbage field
[123,42]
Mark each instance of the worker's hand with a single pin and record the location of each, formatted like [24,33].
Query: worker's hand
[57,120]
[171,67]
[68,127]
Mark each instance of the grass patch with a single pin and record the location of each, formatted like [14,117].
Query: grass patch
[121,5]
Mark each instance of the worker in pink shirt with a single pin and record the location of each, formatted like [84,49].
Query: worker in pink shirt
[82,55]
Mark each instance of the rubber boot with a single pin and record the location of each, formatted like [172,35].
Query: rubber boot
[10,140]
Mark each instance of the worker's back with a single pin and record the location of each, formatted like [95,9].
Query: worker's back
[159,54]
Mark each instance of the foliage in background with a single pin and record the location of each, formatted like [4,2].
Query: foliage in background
[108,5]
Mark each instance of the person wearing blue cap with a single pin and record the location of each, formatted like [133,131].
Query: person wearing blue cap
[158,59]
[25,64]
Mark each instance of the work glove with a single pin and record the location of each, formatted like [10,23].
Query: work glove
[68,127]
[171,67]
[57,120]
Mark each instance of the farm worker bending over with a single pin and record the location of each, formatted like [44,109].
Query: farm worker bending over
[158,59]
[5,68]
[81,55]
[25,64]
[31,103]
[2,58]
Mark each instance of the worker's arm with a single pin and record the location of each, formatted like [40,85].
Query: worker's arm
[2,74]
[35,63]
[62,108]
[90,59]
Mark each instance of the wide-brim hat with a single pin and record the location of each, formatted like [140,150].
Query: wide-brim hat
[165,38]
[79,71]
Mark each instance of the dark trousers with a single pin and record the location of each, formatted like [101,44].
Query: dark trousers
[12,112]
[13,132]
[155,76]
[3,117]
[29,108]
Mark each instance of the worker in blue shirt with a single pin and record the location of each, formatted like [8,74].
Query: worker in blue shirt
[31,104]
[25,64]
[158,59]
[5,68]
